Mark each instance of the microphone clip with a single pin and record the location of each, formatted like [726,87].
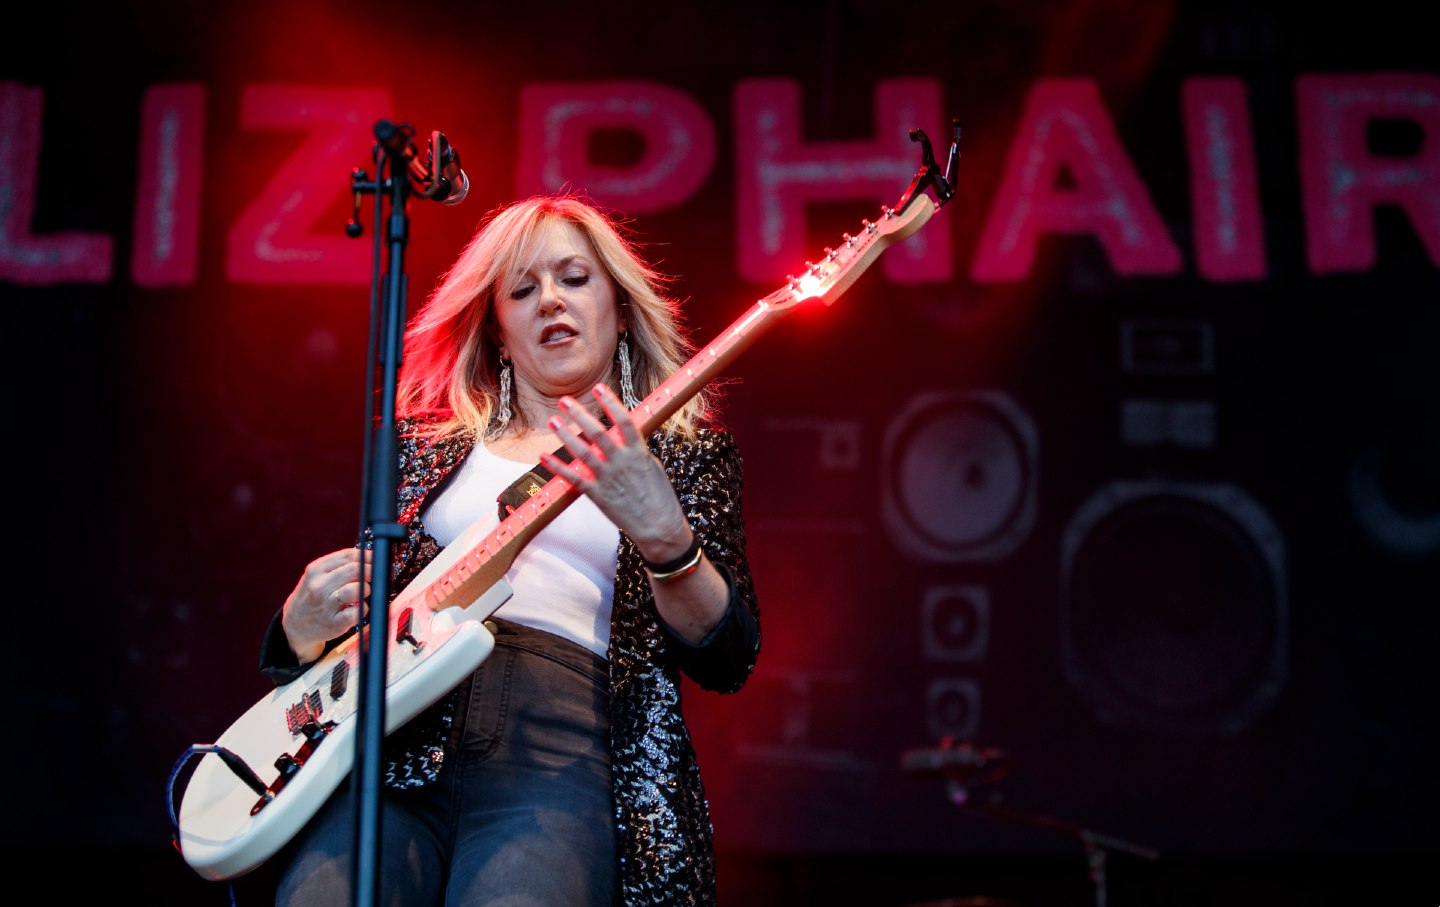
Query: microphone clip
[436,175]
[963,765]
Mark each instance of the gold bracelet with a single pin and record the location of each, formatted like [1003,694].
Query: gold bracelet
[669,576]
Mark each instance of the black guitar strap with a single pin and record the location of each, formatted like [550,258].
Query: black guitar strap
[527,486]
[530,482]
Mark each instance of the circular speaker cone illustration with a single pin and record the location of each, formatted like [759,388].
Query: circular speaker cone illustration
[959,473]
[1173,607]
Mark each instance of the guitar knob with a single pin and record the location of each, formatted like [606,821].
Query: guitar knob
[403,627]
[287,765]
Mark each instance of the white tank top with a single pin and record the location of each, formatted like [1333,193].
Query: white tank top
[564,579]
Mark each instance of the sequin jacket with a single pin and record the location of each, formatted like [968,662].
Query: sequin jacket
[666,849]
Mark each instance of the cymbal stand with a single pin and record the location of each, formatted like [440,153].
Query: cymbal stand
[1097,845]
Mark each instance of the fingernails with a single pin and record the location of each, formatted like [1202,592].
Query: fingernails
[602,390]
[554,423]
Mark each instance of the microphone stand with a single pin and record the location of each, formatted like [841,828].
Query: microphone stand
[393,155]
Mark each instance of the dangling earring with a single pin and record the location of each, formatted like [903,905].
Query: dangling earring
[627,380]
[505,413]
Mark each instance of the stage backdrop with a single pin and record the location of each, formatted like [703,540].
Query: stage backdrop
[1123,466]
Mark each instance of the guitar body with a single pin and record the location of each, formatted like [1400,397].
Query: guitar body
[224,832]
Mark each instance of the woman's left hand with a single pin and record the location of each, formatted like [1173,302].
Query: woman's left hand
[624,479]
[628,483]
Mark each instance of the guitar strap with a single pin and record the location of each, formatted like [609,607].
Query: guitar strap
[527,486]
[531,481]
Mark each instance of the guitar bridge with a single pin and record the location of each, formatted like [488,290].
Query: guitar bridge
[305,712]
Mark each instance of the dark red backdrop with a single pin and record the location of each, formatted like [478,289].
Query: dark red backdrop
[1154,511]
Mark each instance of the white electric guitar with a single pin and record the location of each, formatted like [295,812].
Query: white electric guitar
[271,771]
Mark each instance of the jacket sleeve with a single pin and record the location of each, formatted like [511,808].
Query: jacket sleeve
[708,478]
[277,661]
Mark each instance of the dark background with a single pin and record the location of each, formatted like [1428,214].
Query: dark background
[1215,643]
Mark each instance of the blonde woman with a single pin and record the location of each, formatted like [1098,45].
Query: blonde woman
[561,772]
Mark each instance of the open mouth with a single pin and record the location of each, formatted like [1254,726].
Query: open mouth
[556,334]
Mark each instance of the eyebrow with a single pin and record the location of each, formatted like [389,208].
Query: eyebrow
[568,260]
[558,264]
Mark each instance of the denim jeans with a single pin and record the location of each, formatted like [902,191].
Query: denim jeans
[522,815]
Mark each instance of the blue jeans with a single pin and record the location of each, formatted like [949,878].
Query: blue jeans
[522,815]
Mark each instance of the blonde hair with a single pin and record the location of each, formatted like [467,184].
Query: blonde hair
[449,378]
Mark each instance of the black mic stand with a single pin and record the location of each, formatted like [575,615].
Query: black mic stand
[394,155]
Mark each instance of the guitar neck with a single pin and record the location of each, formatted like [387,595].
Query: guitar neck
[485,564]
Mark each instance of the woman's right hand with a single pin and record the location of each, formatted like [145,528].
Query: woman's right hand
[323,604]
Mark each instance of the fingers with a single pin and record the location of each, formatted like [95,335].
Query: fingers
[592,428]
[585,456]
[615,409]
[324,602]
[580,477]
[341,577]
[615,463]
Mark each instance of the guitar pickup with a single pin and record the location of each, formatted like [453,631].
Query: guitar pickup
[339,680]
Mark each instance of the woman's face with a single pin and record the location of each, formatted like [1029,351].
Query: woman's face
[559,323]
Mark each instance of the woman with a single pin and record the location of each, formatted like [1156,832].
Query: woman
[561,772]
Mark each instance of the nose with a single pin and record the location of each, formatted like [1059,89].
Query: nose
[550,296]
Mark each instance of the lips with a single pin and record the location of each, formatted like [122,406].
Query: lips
[557,332]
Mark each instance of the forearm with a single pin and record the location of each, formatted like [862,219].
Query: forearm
[691,601]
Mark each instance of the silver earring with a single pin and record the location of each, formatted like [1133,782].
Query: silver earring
[505,391]
[627,379]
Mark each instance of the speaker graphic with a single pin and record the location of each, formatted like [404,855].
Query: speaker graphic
[959,476]
[955,622]
[1173,611]
[1394,491]
[952,707]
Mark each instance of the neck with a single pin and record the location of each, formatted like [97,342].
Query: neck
[538,408]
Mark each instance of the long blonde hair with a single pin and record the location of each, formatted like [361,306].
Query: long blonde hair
[449,378]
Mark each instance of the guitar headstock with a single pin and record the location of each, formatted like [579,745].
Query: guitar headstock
[840,266]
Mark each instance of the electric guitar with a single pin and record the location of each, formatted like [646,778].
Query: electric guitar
[271,771]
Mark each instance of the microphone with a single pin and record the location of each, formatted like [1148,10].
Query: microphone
[446,191]
[455,196]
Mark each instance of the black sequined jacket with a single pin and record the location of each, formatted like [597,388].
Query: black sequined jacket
[666,851]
